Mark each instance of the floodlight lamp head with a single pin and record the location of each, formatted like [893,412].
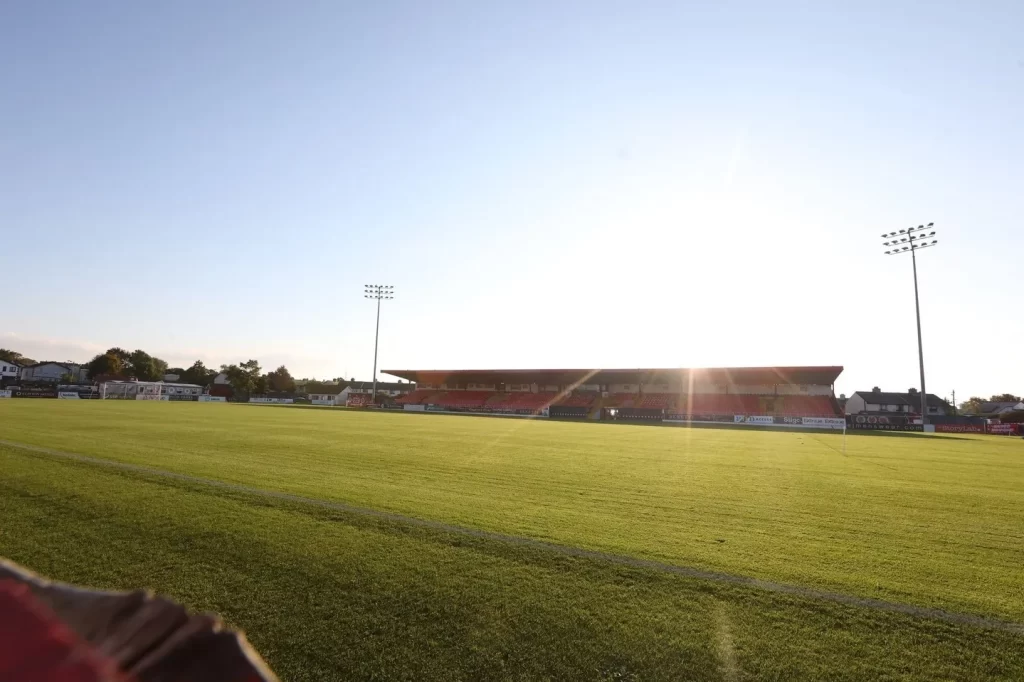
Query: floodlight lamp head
[931,225]
[902,231]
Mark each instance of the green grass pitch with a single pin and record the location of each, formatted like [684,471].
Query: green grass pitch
[324,594]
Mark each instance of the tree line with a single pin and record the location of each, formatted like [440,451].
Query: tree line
[246,378]
[13,356]
[973,404]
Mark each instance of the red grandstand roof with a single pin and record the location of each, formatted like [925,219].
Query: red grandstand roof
[734,375]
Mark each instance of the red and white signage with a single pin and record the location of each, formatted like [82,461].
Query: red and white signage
[959,428]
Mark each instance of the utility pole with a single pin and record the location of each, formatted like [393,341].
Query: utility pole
[914,239]
[377,292]
[954,402]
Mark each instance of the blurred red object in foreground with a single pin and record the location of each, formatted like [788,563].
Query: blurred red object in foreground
[51,632]
[39,648]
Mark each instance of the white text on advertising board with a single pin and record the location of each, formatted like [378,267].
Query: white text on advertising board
[825,422]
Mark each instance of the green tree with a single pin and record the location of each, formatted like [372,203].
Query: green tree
[144,366]
[121,353]
[243,378]
[262,385]
[281,380]
[198,374]
[14,356]
[106,363]
[971,405]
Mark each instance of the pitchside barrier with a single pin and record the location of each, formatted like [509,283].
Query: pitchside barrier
[960,428]
[826,423]
[866,422]
[438,409]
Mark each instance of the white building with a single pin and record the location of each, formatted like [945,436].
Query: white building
[9,370]
[388,388]
[149,390]
[340,394]
[54,372]
[329,394]
[877,401]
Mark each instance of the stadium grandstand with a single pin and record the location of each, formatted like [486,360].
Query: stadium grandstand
[755,395]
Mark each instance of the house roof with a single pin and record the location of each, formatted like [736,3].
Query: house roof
[65,365]
[382,386]
[993,407]
[324,389]
[733,375]
[888,398]
[335,389]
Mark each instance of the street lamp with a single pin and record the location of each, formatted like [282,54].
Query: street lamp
[912,240]
[377,292]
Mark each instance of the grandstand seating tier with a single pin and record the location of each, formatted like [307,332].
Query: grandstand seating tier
[621,400]
[697,403]
[461,398]
[806,406]
[578,399]
[657,401]
[417,396]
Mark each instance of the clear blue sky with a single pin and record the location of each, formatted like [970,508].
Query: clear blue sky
[546,184]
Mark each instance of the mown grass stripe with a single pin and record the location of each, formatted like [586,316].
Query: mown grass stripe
[577,552]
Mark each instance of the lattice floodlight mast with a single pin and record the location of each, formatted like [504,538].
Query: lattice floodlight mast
[912,240]
[377,292]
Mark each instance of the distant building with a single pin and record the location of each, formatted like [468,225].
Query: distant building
[877,401]
[994,409]
[9,371]
[325,394]
[54,372]
[388,388]
[149,390]
[345,391]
